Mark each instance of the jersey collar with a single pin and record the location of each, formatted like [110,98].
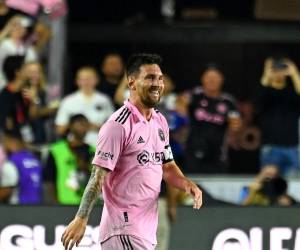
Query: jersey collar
[137,113]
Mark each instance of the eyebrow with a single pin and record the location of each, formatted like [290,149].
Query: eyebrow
[153,75]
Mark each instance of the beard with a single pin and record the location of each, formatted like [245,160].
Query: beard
[148,101]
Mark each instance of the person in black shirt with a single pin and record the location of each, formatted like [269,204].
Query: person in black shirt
[15,108]
[211,112]
[112,71]
[278,105]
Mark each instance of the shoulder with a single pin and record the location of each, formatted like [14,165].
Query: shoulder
[228,98]
[197,90]
[71,98]
[58,144]
[101,96]
[122,116]
[6,43]
[161,118]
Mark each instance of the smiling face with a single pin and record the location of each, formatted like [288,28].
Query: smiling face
[147,86]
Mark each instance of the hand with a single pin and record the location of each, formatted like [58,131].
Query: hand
[291,67]
[30,94]
[268,63]
[73,233]
[192,189]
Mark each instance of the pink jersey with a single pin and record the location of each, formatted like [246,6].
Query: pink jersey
[134,150]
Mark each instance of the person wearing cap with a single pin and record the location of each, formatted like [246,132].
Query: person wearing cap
[13,43]
[211,113]
[68,164]
[278,107]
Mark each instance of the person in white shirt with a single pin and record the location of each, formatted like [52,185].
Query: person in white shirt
[13,43]
[9,178]
[96,106]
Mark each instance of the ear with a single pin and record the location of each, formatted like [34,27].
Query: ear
[131,83]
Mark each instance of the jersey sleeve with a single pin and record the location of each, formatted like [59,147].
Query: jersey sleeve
[110,144]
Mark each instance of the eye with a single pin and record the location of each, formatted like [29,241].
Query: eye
[150,77]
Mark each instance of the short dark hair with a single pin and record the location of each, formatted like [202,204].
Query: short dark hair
[137,60]
[11,65]
[77,117]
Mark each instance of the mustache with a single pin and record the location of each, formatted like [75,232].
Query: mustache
[154,88]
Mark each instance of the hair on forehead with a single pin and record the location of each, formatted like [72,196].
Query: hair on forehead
[137,60]
[87,69]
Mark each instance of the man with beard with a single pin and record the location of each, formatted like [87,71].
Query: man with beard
[132,157]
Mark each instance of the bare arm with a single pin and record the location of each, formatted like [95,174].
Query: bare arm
[174,177]
[119,95]
[172,198]
[75,230]
[91,192]
[5,193]
[266,77]
[61,130]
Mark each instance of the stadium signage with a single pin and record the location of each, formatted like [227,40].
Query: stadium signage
[20,237]
[237,239]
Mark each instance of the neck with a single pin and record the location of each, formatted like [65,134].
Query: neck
[212,94]
[87,93]
[145,111]
[17,147]
[16,39]
[112,79]
[14,86]
[74,141]
[278,84]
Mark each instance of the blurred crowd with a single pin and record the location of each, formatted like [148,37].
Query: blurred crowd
[47,143]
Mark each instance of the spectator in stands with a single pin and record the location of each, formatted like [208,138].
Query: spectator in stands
[278,104]
[96,106]
[25,183]
[35,81]
[14,43]
[16,108]
[8,178]
[269,188]
[244,150]
[113,70]
[267,172]
[168,99]
[211,113]
[122,92]
[179,123]
[69,164]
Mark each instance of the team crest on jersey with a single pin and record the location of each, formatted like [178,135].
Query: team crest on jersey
[204,103]
[222,108]
[161,134]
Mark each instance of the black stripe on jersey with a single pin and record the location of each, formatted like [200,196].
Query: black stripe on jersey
[126,243]
[123,244]
[121,115]
[128,240]
[123,120]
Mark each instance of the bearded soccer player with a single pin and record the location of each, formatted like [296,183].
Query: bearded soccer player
[132,157]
